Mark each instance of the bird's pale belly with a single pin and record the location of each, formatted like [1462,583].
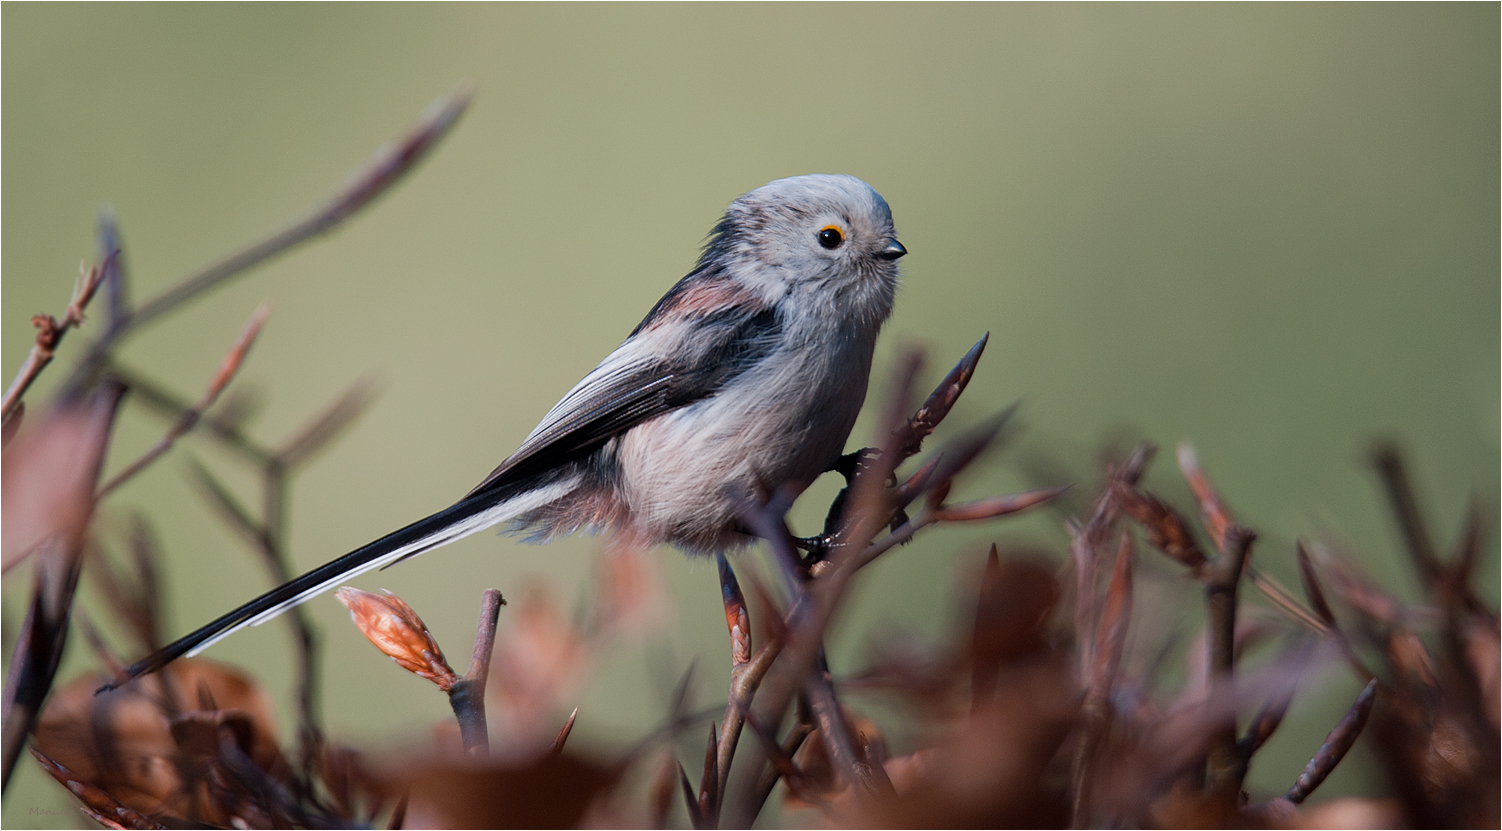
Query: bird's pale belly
[688,471]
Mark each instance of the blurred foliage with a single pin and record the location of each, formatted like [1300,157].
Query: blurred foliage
[1271,229]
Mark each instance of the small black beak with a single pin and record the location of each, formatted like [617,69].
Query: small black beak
[893,250]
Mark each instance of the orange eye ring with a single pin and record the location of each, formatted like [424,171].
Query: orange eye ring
[830,237]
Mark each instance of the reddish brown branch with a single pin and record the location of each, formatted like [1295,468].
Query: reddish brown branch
[563,733]
[1394,474]
[908,438]
[1312,589]
[997,506]
[468,694]
[385,168]
[50,333]
[1335,745]
[1217,518]
[1222,582]
[189,418]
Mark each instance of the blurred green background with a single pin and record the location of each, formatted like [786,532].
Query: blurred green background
[1270,229]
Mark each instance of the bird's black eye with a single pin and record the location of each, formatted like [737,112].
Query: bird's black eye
[830,237]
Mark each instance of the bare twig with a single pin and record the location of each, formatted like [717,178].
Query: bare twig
[781,758]
[1222,580]
[738,620]
[1394,474]
[50,333]
[385,168]
[695,813]
[1335,745]
[1312,588]
[1110,642]
[317,431]
[228,435]
[997,506]
[1265,723]
[189,418]
[110,250]
[709,782]
[834,732]
[1217,518]
[468,694]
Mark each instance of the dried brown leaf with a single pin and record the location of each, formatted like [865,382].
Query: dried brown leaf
[100,806]
[1165,528]
[1217,518]
[908,439]
[1110,638]
[47,478]
[127,743]
[548,792]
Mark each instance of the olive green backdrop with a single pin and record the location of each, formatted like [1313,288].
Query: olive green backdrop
[1270,229]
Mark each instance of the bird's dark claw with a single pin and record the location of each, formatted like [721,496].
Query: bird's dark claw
[851,464]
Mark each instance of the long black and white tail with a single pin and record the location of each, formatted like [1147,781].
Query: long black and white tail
[471,514]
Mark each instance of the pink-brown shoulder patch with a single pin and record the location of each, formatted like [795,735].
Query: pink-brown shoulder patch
[705,298]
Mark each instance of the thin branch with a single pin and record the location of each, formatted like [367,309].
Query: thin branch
[1109,644]
[997,506]
[1394,474]
[738,620]
[467,696]
[110,250]
[844,762]
[189,418]
[709,782]
[1335,745]
[1312,589]
[385,168]
[1222,579]
[229,435]
[317,431]
[50,333]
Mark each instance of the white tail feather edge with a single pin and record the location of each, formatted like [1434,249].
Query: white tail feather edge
[499,513]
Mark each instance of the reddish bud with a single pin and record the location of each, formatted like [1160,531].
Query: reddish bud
[396,630]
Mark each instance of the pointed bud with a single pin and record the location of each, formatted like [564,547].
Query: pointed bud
[396,630]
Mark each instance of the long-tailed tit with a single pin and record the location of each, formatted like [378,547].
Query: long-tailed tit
[745,377]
